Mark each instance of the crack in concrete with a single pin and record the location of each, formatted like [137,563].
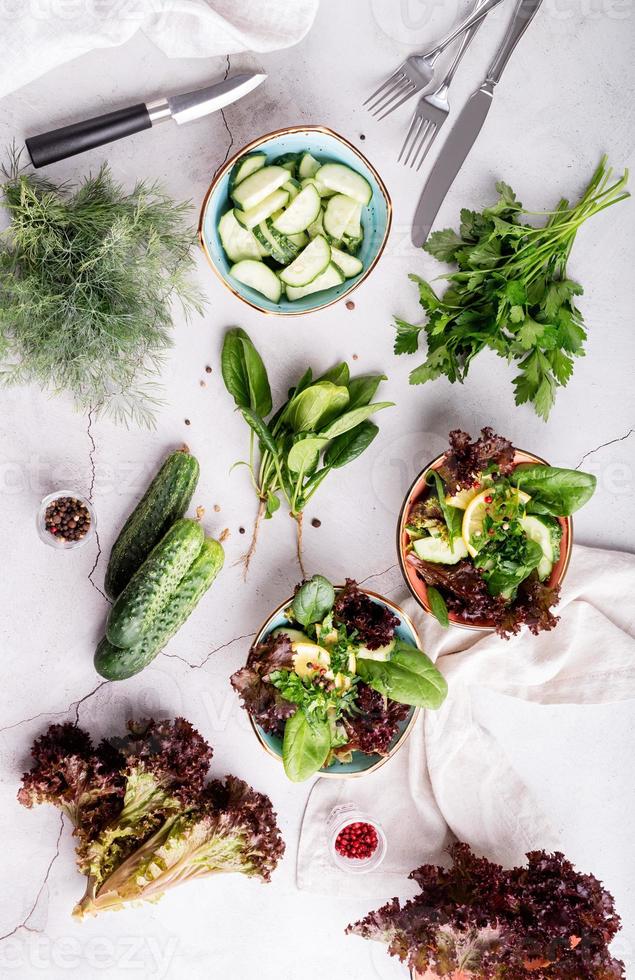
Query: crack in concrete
[378,574]
[602,445]
[56,714]
[224,118]
[223,646]
[91,457]
[25,922]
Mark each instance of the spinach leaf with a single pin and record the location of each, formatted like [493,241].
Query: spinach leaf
[305,746]
[353,418]
[349,445]
[272,504]
[244,373]
[304,455]
[313,600]
[553,490]
[362,390]
[504,570]
[260,427]
[315,405]
[409,677]
[438,606]
[339,375]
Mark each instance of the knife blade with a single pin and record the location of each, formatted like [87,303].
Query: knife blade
[58,144]
[451,158]
[468,125]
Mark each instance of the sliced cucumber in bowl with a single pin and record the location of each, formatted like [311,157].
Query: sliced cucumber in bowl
[343,180]
[263,210]
[293,224]
[258,276]
[337,215]
[258,186]
[238,242]
[301,212]
[331,276]
[310,263]
[348,265]
[244,167]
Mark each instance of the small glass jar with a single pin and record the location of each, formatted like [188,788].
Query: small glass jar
[343,816]
[60,543]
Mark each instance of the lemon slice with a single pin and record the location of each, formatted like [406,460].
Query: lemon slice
[475,514]
[463,497]
[308,658]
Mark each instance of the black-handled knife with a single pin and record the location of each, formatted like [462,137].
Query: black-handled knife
[86,135]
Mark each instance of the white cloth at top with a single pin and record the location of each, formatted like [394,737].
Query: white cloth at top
[38,35]
[453,778]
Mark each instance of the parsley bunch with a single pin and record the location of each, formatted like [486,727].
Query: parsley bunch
[511,293]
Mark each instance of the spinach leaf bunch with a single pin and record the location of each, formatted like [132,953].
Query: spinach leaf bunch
[323,425]
[510,294]
[87,277]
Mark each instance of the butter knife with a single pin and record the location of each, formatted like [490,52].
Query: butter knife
[468,125]
[69,140]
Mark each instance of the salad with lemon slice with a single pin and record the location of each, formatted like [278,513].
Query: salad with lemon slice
[486,534]
[335,678]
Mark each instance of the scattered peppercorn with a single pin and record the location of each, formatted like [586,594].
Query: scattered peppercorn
[361,136]
[488,499]
[241,530]
[350,304]
[67,518]
[208,369]
[316,522]
[217,508]
[203,384]
[187,422]
[357,841]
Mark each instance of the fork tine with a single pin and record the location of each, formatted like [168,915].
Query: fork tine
[421,123]
[429,140]
[386,111]
[414,125]
[391,78]
[395,90]
[421,136]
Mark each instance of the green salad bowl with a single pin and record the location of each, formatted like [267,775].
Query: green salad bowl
[323,144]
[361,763]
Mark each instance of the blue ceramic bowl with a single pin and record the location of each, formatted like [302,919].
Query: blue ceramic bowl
[325,145]
[361,762]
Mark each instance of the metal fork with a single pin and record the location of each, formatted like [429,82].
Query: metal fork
[432,110]
[417,71]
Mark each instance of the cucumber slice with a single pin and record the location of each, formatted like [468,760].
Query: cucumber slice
[238,242]
[302,212]
[284,241]
[308,166]
[289,161]
[272,247]
[547,533]
[255,188]
[439,550]
[317,228]
[339,211]
[311,261]
[354,227]
[293,188]
[326,280]
[342,179]
[347,264]
[244,167]
[262,210]
[352,245]
[320,188]
[300,240]
[259,276]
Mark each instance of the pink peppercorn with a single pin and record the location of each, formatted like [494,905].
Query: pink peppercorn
[357,841]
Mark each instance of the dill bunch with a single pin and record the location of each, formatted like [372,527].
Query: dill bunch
[87,279]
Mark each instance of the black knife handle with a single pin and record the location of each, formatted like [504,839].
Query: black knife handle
[69,140]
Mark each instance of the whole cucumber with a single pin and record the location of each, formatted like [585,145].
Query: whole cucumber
[151,585]
[166,499]
[116,664]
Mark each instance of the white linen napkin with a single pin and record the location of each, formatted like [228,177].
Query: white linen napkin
[453,778]
[40,36]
